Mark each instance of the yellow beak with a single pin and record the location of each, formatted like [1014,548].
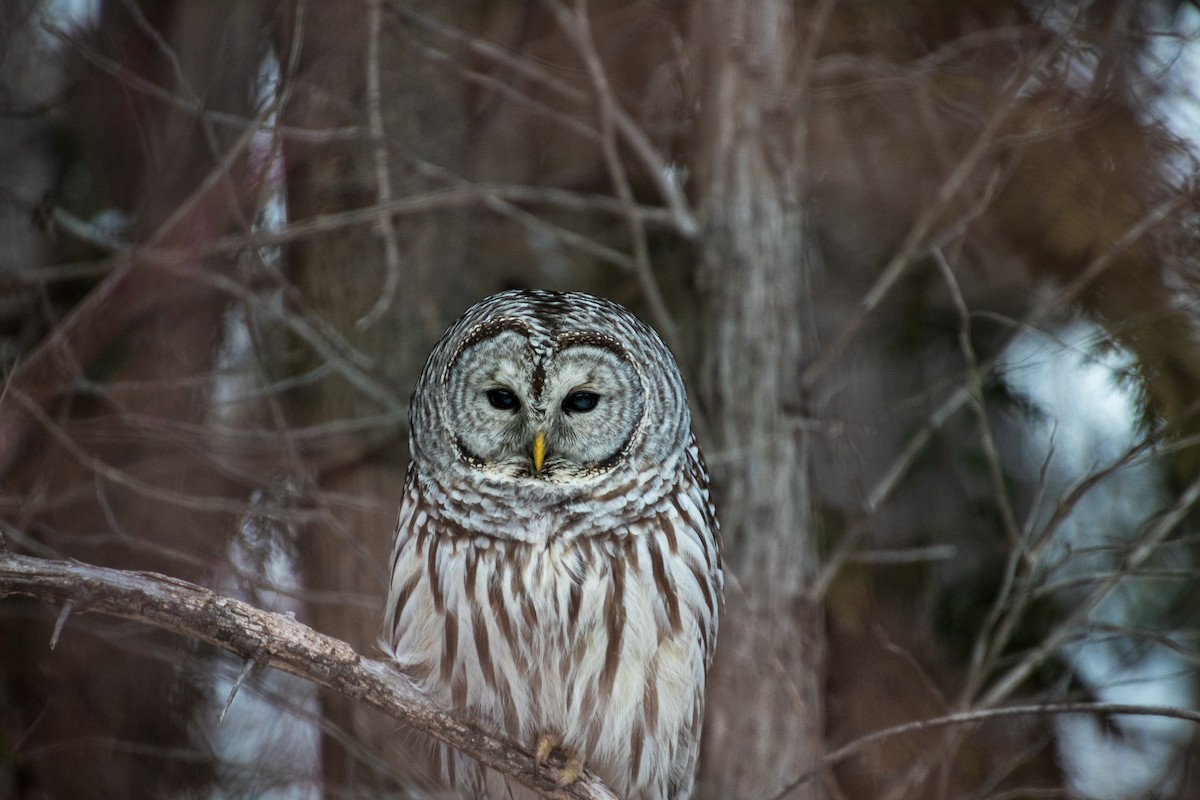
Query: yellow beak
[539,450]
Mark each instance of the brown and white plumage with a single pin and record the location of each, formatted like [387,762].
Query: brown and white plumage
[570,593]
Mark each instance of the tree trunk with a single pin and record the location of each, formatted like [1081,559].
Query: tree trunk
[764,725]
[383,289]
[96,424]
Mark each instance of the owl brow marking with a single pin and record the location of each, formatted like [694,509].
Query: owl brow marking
[593,338]
[486,330]
[564,340]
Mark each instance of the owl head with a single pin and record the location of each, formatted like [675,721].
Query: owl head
[550,389]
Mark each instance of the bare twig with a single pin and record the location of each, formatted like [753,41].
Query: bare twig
[281,642]
[60,622]
[249,668]
[384,226]
[917,238]
[974,379]
[120,477]
[496,197]
[883,488]
[983,715]
[137,83]
[1152,537]
[633,136]
[576,25]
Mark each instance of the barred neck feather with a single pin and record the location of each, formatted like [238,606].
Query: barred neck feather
[533,510]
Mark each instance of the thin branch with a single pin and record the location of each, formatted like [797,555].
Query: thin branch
[118,476]
[249,668]
[1155,534]
[576,25]
[504,88]
[384,226]
[496,197]
[916,241]
[281,642]
[656,167]
[898,469]
[65,612]
[137,83]
[983,715]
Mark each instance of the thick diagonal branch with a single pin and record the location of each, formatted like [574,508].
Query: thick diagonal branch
[279,641]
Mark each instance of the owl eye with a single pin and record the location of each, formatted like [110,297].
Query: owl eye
[503,399]
[580,402]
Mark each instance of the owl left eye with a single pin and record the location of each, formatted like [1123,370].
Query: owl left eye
[580,402]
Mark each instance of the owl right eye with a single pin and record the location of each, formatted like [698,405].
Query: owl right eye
[503,399]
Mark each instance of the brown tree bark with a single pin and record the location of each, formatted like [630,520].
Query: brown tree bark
[764,724]
[382,290]
[98,449]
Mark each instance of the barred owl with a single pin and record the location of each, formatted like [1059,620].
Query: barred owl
[556,570]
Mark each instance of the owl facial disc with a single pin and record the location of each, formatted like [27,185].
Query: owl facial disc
[526,409]
[547,388]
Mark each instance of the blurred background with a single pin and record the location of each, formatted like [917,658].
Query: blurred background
[931,270]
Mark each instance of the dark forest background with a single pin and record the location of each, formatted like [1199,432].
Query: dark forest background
[931,270]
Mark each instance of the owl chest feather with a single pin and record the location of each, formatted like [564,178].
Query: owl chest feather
[601,640]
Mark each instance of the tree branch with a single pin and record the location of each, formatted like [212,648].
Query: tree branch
[982,715]
[276,640]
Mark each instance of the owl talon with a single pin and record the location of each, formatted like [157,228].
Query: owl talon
[545,745]
[570,771]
